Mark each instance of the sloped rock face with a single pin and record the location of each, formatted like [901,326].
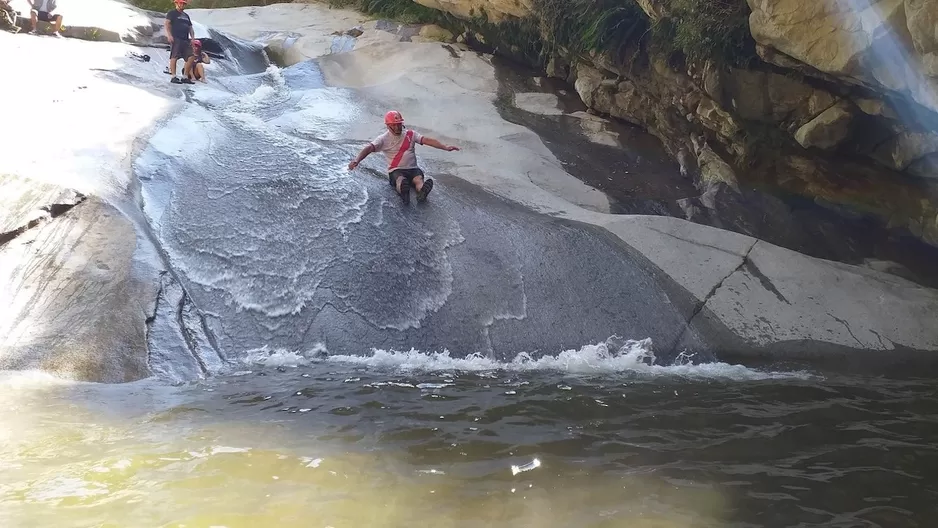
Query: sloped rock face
[839,109]
[883,44]
[71,304]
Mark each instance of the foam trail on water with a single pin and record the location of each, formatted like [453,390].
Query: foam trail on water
[610,357]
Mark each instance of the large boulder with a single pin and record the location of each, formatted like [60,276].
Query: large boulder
[774,98]
[713,169]
[883,45]
[829,129]
[904,149]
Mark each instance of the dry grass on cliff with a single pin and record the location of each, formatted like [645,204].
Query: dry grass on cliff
[708,29]
[699,29]
[583,26]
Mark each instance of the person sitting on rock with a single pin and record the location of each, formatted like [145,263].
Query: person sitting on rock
[8,17]
[398,146]
[42,11]
[195,64]
[179,31]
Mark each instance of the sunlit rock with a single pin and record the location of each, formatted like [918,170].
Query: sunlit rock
[829,129]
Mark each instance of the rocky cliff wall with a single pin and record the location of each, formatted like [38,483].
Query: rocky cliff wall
[830,99]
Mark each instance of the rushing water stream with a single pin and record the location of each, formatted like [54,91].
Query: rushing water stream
[281,399]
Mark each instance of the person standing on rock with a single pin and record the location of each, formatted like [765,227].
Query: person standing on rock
[399,148]
[179,32]
[42,11]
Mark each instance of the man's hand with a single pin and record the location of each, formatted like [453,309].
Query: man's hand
[171,40]
[435,143]
[352,165]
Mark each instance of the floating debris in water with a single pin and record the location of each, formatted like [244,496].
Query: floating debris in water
[526,467]
[312,462]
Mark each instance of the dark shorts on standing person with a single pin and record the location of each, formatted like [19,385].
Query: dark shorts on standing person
[45,16]
[180,49]
[408,174]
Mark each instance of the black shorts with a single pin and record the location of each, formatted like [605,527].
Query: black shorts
[46,16]
[180,49]
[409,174]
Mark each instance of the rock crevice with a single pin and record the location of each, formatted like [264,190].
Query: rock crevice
[42,214]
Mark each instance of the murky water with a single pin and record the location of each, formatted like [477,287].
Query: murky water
[402,440]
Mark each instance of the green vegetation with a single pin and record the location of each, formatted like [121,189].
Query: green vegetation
[694,30]
[583,26]
[518,39]
[153,5]
[405,11]
[708,29]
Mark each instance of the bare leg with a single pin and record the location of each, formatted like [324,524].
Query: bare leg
[172,66]
[58,23]
[397,184]
[200,69]
[34,19]
[418,183]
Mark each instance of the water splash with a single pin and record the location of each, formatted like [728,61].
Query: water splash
[613,356]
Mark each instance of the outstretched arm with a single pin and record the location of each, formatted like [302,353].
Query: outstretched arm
[430,142]
[369,148]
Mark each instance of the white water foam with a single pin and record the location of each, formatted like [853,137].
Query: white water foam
[613,356]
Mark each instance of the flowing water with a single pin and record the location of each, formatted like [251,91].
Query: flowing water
[409,440]
[325,357]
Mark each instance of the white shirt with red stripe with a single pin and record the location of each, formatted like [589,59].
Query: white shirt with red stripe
[390,145]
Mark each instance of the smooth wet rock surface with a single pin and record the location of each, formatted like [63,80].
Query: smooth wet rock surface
[72,305]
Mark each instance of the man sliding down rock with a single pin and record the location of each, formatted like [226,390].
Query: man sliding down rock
[42,11]
[179,31]
[398,147]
